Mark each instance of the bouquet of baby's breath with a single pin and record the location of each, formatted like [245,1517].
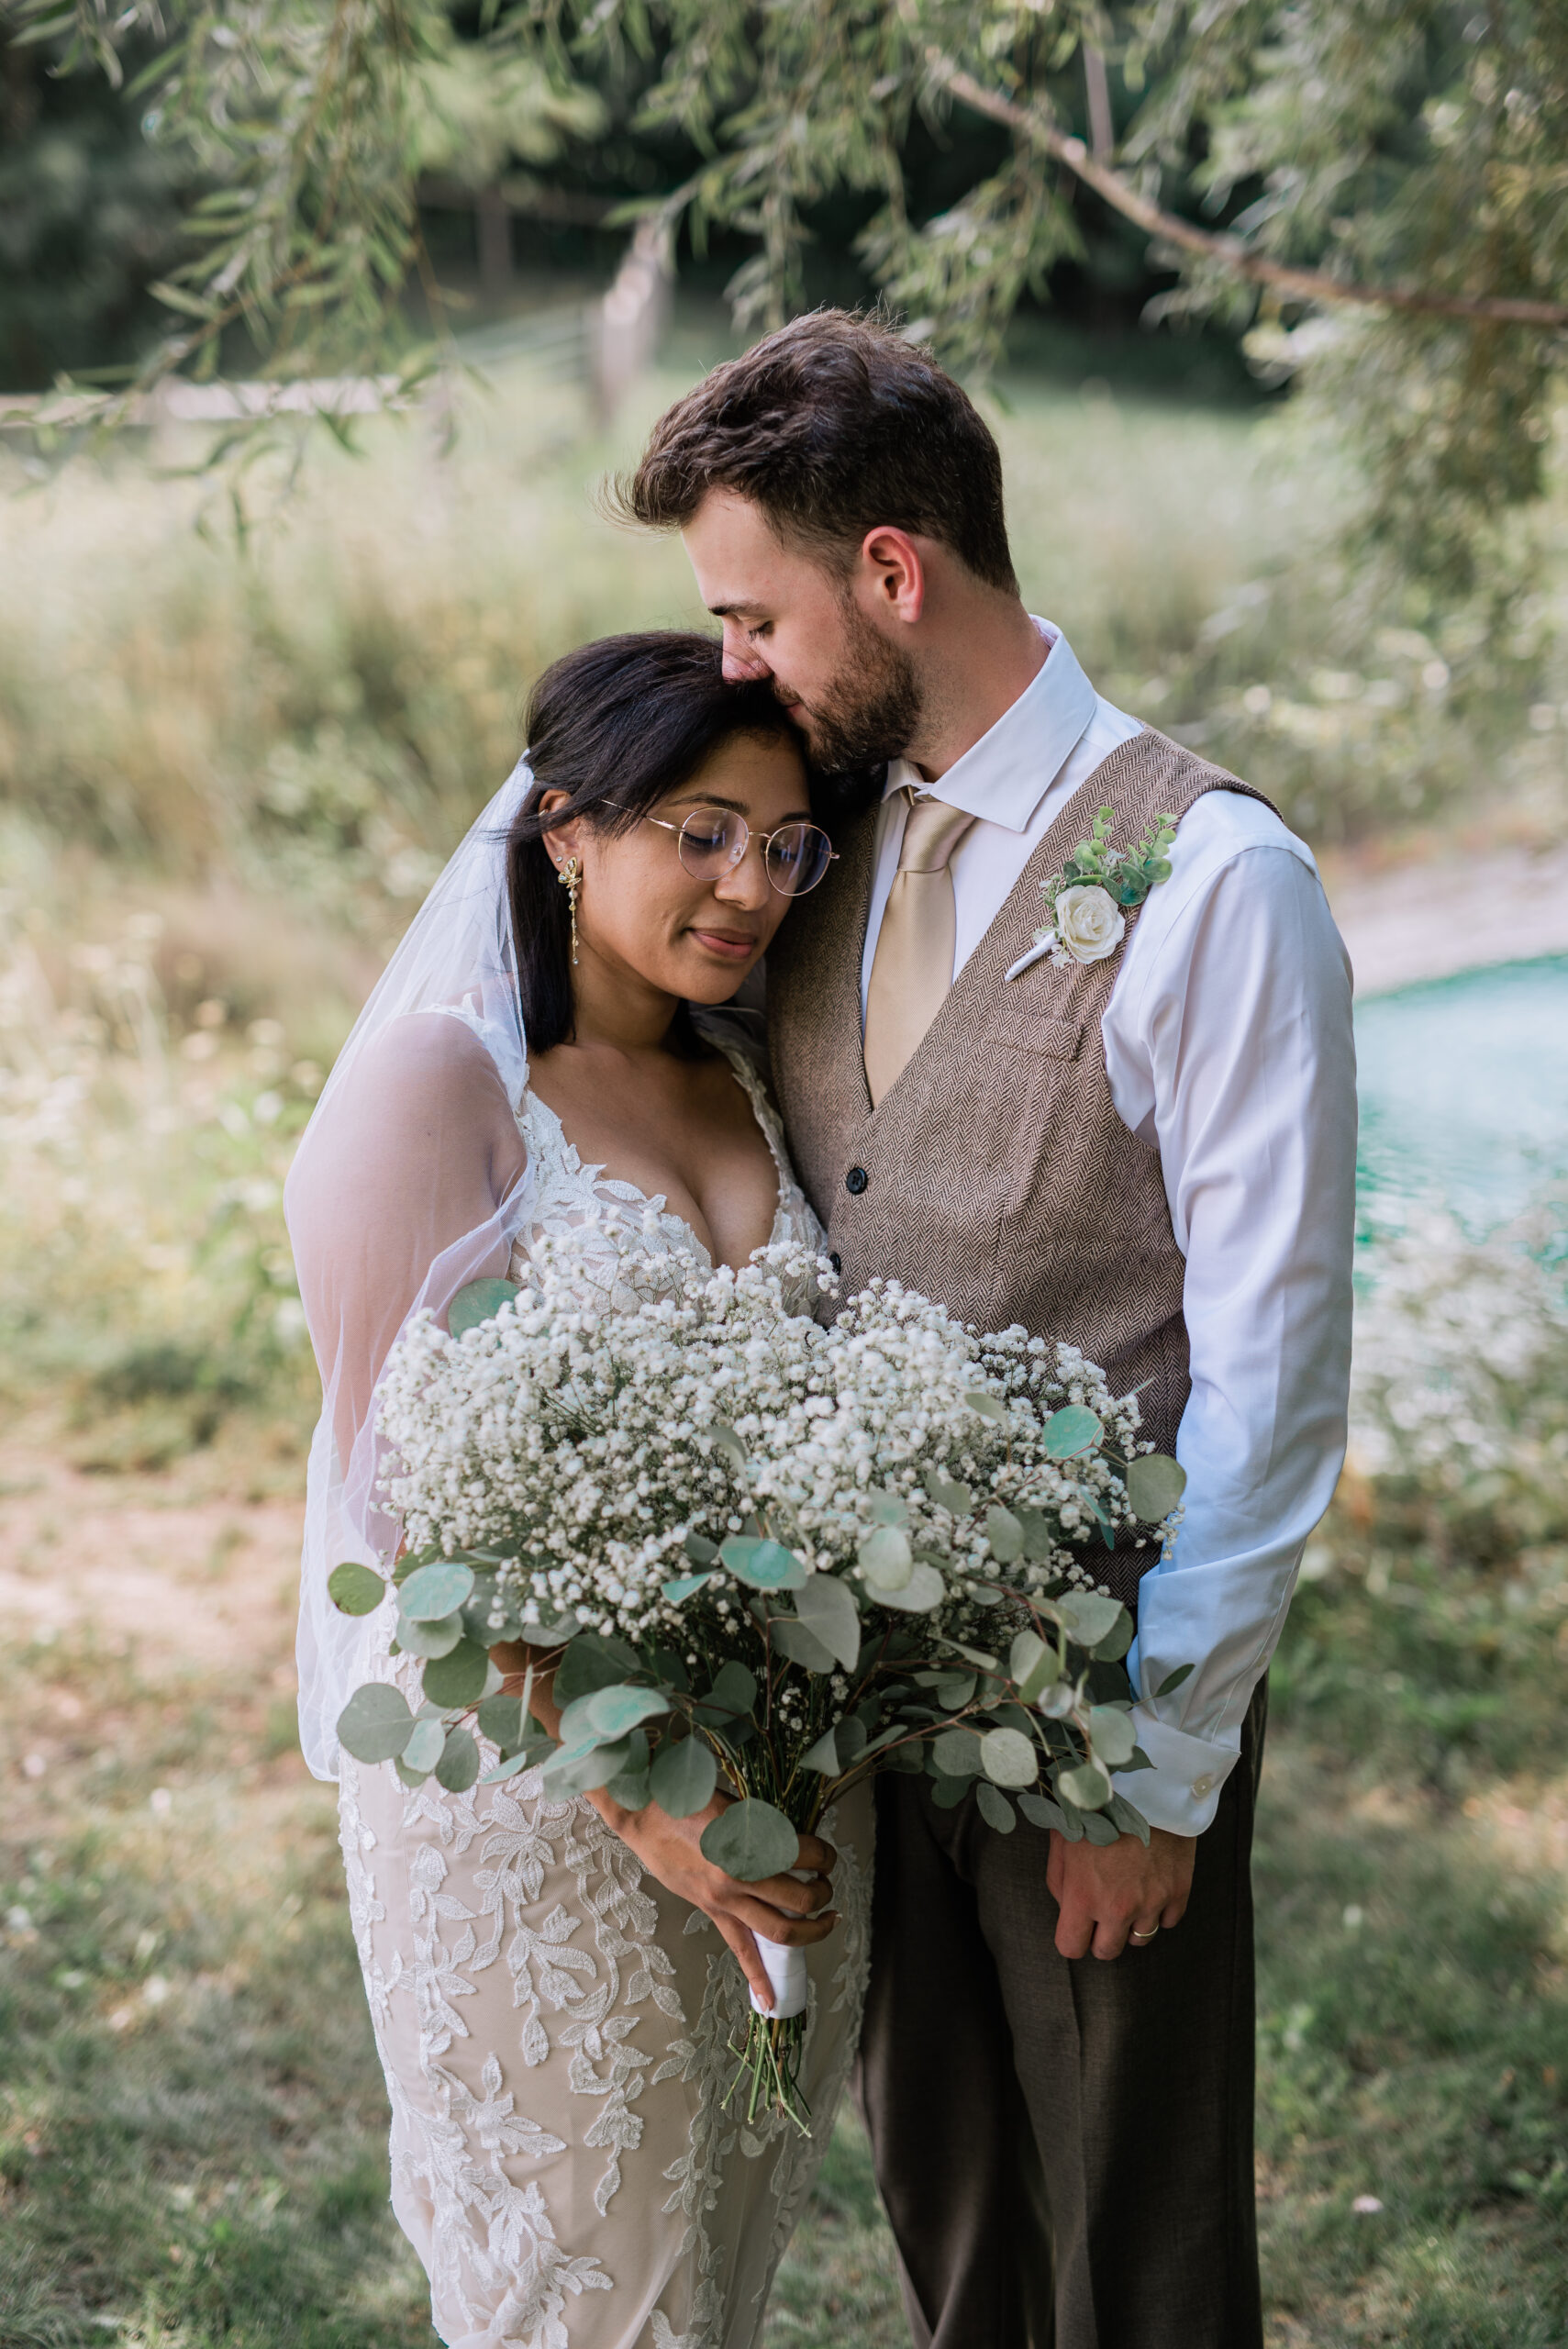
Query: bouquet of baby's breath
[766,1558]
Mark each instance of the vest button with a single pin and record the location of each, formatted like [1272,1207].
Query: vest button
[855,1181]
[835,1261]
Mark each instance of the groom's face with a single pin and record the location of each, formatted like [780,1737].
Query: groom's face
[788,616]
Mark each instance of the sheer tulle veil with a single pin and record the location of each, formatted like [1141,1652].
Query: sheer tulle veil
[409,1181]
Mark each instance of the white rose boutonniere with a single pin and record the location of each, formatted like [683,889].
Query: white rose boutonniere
[1088,901]
[1089,923]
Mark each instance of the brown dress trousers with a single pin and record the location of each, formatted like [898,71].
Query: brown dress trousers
[1064,2146]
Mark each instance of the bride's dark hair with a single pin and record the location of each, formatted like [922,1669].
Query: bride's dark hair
[617,725]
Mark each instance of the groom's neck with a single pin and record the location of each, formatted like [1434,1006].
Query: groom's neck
[978,650]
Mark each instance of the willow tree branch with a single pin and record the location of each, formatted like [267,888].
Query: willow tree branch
[1242,260]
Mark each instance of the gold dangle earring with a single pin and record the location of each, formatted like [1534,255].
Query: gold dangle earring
[570,876]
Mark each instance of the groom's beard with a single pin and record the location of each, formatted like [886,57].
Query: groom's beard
[869,713]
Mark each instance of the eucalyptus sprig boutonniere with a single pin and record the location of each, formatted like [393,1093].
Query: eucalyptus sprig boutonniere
[1087,899]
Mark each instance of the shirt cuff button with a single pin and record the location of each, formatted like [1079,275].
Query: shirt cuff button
[1204,1785]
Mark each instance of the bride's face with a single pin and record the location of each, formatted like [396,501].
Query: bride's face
[642,914]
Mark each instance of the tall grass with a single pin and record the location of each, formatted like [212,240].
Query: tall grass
[321,712]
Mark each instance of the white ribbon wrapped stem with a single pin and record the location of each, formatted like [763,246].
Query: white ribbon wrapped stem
[787,1972]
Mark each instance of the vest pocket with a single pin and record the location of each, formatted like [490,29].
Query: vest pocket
[1050,1040]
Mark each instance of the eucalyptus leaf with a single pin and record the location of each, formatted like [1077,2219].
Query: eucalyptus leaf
[683,1585]
[458,1679]
[423,1750]
[1005,1534]
[614,1712]
[1025,1652]
[954,1690]
[957,1499]
[956,1753]
[727,1441]
[1037,1538]
[750,1839]
[1088,1615]
[826,1607]
[579,1769]
[1071,1820]
[427,1639]
[994,1808]
[1099,1829]
[1172,1681]
[925,1590]
[732,1696]
[764,1565]
[800,1643]
[1069,1432]
[1088,1786]
[985,1406]
[823,1756]
[500,1719]
[355,1589]
[459,1763]
[434,1592]
[1056,1700]
[1116,1641]
[977,1656]
[850,1738]
[1125,1819]
[948,1793]
[700,1550]
[1155,1483]
[1112,1734]
[1042,1811]
[479,1301]
[375,1725]
[631,1787]
[410,1777]
[510,1768]
[684,1776]
[885,1559]
[1009,1758]
[889,1509]
[593,1661]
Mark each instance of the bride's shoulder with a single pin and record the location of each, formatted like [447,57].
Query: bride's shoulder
[429,1063]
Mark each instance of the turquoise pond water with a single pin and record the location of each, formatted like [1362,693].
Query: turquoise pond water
[1464,1094]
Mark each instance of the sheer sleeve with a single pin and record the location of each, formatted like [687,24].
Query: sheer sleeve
[413,1183]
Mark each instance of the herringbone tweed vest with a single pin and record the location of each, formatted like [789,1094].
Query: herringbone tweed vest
[996,1174]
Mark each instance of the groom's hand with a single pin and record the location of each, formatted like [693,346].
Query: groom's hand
[1106,1891]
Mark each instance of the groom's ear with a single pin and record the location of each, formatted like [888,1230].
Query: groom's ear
[893,573]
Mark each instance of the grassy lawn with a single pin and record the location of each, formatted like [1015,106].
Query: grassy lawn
[192,2121]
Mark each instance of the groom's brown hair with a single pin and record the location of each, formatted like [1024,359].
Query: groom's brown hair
[832,426]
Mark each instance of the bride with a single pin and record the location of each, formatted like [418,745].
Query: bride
[554,1984]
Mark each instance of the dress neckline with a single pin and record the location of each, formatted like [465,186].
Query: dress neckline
[629,1194]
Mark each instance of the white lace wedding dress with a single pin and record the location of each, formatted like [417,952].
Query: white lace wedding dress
[555,2027]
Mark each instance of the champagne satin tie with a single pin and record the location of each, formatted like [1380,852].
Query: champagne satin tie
[912,970]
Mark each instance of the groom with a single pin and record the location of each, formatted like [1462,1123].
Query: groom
[1143,1145]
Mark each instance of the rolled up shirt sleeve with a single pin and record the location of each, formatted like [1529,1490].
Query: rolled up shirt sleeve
[1228,1044]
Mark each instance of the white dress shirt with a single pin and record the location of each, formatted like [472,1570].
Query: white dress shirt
[1229,1047]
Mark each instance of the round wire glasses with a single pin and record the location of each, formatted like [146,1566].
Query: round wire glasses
[713,841]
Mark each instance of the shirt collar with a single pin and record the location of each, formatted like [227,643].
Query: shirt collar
[1005,776]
